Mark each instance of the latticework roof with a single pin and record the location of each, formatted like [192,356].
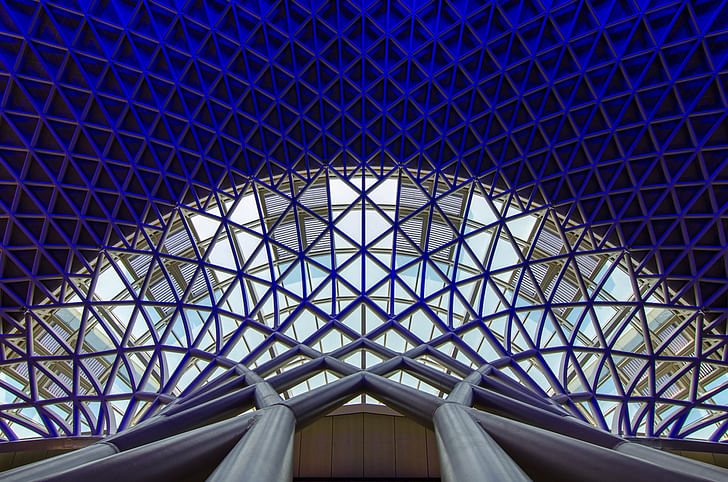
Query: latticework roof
[538,187]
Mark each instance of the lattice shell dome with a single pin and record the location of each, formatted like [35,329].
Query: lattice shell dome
[189,185]
[400,258]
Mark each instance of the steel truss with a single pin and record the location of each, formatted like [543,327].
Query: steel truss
[361,266]
[221,310]
[208,207]
[518,435]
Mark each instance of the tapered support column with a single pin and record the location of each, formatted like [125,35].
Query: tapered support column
[185,456]
[182,418]
[467,453]
[565,458]
[265,453]
[686,465]
[44,468]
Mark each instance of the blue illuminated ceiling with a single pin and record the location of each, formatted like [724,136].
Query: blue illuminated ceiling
[602,124]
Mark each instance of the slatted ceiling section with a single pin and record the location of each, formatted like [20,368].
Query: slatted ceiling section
[706,370]
[177,243]
[549,242]
[275,204]
[312,227]
[453,204]
[286,233]
[94,366]
[22,370]
[404,247]
[140,264]
[527,287]
[632,367]
[412,197]
[199,285]
[587,265]
[440,235]
[660,382]
[412,227]
[678,343]
[162,292]
[177,288]
[315,196]
[187,271]
[49,342]
[566,292]
[365,445]
[539,271]
[54,388]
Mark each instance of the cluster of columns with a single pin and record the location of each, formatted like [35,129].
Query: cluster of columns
[212,433]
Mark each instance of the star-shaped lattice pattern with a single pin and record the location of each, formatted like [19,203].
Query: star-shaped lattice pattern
[117,118]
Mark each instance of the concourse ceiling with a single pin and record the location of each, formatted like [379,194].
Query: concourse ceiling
[189,185]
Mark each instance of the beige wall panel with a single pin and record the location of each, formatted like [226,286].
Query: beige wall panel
[348,446]
[316,449]
[379,445]
[410,448]
[433,461]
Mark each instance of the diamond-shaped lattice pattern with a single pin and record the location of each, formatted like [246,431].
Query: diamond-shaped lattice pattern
[537,186]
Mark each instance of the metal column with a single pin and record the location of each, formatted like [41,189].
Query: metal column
[264,453]
[467,453]
[559,457]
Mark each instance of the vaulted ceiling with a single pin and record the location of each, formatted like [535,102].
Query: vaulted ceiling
[116,116]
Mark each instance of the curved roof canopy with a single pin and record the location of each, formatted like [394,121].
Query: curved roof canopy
[537,187]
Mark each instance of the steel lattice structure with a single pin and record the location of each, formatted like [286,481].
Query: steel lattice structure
[525,199]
